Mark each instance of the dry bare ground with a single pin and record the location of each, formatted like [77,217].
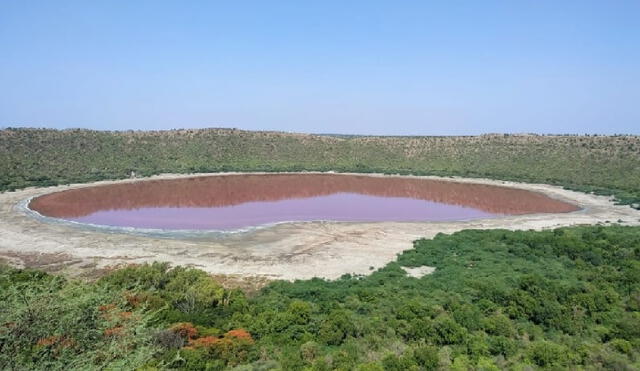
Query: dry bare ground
[286,251]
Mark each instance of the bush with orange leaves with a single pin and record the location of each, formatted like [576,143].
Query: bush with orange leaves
[107,308]
[60,341]
[186,330]
[119,320]
[233,347]
[114,331]
[144,300]
[125,315]
[56,344]
[241,334]
[111,312]
[50,322]
[205,342]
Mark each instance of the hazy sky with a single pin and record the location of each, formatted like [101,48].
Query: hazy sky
[367,67]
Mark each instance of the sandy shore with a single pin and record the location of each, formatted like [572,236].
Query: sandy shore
[285,251]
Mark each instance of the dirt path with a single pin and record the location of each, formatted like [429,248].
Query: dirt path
[286,251]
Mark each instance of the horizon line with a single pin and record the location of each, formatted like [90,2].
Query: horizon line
[520,134]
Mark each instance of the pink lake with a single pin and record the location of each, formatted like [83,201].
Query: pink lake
[232,202]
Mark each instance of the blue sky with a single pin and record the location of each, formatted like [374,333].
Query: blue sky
[366,67]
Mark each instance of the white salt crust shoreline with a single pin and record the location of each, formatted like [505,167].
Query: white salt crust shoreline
[284,251]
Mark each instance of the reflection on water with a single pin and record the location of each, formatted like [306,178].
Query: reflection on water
[235,201]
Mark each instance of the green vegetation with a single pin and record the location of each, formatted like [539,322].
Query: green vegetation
[42,157]
[567,298]
[562,299]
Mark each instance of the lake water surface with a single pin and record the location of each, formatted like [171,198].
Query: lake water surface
[232,202]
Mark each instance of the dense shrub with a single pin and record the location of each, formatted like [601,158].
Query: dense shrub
[566,298]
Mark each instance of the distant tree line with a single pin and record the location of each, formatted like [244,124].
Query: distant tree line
[608,165]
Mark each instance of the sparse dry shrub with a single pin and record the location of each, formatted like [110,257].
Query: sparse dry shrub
[169,339]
